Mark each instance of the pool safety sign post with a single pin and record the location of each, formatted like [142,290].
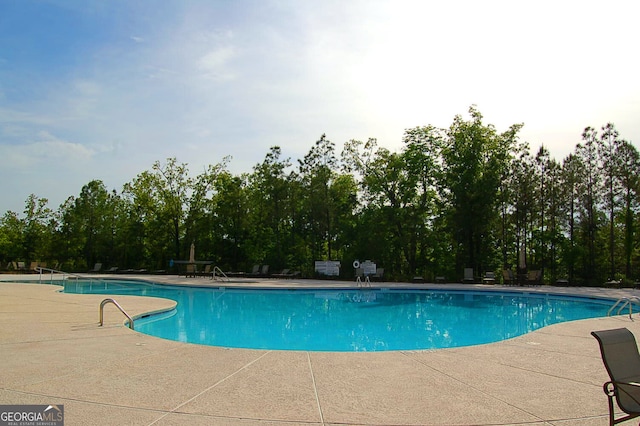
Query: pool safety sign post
[328,267]
[32,415]
[367,267]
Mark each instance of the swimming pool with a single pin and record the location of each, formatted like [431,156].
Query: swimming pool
[346,320]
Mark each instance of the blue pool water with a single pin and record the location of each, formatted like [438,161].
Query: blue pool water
[346,320]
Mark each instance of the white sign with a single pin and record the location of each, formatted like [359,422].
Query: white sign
[328,267]
[368,267]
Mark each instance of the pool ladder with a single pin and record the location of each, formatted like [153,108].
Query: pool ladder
[217,274]
[104,302]
[365,283]
[623,302]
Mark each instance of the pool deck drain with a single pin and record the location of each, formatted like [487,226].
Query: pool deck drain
[53,352]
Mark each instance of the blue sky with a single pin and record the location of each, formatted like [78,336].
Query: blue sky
[102,89]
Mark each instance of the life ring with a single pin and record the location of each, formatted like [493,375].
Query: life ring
[356,264]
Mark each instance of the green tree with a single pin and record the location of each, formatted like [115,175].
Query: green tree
[159,199]
[542,163]
[400,193]
[420,198]
[232,211]
[610,166]
[571,176]
[268,195]
[555,211]
[202,222]
[11,237]
[514,197]
[36,232]
[376,234]
[525,196]
[629,161]
[87,225]
[317,171]
[474,156]
[590,195]
[30,238]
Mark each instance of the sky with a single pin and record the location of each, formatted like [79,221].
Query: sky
[93,89]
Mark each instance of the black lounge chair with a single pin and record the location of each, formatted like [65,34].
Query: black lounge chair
[379,275]
[284,274]
[264,271]
[192,271]
[621,358]
[534,277]
[255,272]
[96,268]
[489,278]
[207,271]
[508,277]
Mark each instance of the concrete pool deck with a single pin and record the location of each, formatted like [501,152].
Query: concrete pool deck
[53,352]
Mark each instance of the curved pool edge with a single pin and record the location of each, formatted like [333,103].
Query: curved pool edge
[316,284]
[172,304]
[494,382]
[265,285]
[594,293]
[150,305]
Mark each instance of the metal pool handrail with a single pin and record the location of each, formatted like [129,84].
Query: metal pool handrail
[221,274]
[365,283]
[104,302]
[624,302]
[41,270]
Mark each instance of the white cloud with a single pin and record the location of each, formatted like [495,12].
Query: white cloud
[215,63]
[43,149]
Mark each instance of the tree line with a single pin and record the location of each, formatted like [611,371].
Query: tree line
[467,196]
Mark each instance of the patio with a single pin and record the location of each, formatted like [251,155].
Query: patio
[54,352]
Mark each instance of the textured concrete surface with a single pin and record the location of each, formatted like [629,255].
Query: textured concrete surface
[53,352]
